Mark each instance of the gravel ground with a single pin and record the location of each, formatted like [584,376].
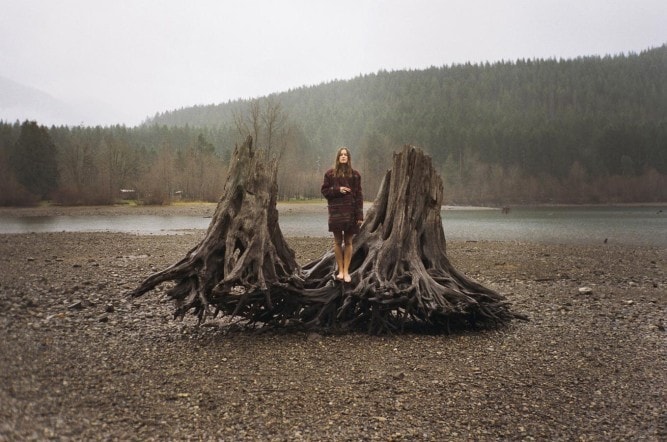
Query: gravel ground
[79,361]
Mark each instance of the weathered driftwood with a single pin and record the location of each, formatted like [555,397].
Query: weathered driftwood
[400,271]
[243,254]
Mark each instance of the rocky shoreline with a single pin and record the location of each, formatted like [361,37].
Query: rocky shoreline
[80,361]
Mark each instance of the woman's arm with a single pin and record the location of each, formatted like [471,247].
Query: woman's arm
[329,187]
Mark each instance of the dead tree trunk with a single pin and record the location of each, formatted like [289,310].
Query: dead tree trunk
[400,271]
[243,257]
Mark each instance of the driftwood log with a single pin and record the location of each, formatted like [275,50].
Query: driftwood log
[401,275]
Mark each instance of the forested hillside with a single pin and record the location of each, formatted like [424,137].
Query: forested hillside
[586,130]
[581,130]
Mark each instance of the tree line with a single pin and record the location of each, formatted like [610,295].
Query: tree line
[584,130]
[152,164]
[95,165]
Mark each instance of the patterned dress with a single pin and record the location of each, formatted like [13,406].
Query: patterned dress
[345,209]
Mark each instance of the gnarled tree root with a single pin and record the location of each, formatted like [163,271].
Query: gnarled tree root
[401,276]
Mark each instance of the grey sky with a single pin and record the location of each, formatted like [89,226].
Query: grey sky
[146,56]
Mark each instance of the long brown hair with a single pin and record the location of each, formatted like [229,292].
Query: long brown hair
[343,170]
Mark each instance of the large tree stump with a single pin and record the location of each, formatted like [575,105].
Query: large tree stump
[400,271]
[243,257]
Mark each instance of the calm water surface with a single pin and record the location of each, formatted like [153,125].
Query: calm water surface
[619,225]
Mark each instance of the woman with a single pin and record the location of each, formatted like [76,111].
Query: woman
[342,189]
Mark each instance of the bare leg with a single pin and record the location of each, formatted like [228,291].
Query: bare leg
[347,257]
[338,252]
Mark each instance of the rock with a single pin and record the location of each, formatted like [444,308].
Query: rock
[76,305]
[31,303]
[585,290]
[314,337]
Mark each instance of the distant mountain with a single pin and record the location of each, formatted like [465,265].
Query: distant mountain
[607,115]
[21,102]
[584,130]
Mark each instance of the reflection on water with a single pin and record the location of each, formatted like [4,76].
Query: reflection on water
[619,225]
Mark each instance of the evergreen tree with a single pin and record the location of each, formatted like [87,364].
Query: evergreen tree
[34,160]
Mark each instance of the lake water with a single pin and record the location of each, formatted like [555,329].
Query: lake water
[584,225]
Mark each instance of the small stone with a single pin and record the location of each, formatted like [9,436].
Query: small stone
[585,290]
[31,303]
[314,337]
[109,308]
[76,305]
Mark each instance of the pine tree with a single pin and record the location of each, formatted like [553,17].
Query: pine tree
[34,160]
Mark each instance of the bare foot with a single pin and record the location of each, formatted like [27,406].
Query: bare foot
[340,276]
[347,278]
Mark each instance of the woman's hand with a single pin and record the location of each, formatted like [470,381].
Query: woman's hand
[345,190]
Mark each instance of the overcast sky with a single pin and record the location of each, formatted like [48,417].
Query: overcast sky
[143,56]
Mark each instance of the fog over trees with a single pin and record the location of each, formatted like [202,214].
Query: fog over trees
[585,130]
